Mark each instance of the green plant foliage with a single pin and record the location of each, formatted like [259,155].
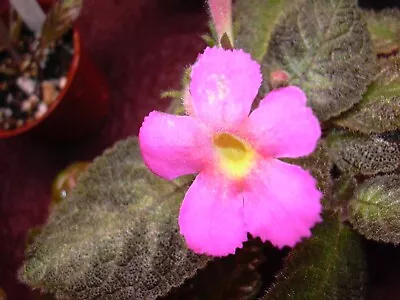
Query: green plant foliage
[320,164]
[343,190]
[235,277]
[59,19]
[115,236]
[384,27]
[325,47]
[375,209]
[379,110]
[366,155]
[253,24]
[328,266]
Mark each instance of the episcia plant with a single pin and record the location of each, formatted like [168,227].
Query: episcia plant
[283,142]
[36,53]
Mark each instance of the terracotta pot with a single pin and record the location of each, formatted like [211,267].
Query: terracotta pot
[80,107]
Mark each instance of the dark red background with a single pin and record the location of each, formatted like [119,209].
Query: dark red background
[142,47]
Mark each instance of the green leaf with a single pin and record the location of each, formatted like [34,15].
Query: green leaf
[379,110]
[375,209]
[234,277]
[320,164]
[254,21]
[115,236]
[325,47]
[328,266]
[59,19]
[384,27]
[367,155]
[343,191]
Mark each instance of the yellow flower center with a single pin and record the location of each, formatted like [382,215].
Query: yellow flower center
[235,156]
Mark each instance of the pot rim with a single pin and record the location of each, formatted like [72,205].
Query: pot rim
[70,78]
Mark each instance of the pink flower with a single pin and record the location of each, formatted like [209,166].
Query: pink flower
[241,186]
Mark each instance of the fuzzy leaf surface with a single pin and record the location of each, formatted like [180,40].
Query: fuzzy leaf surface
[115,236]
[254,21]
[328,266]
[379,110]
[366,155]
[59,19]
[319,163]
[375,209]
[384,27]
[325,47]
[343,191]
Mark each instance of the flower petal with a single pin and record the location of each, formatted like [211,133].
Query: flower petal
[283,126]
[223,86]
[172,145]
[211,217]
[282,203]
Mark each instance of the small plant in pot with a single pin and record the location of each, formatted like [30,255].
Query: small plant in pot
[41,71]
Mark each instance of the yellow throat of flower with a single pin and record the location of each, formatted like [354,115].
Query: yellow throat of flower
[235,156]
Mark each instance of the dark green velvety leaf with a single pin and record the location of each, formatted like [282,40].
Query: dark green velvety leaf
[367,155]
[329,266]
[343,190]
[379,110]
[235,277]
[59,19]
[325,47]
[253,24]
[375,209]
[384,27]
[320,164]
[115,236]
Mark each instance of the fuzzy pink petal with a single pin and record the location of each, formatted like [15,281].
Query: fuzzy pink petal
[283,126]
[223,86]
[282,203]
[211,217]
[172,145]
